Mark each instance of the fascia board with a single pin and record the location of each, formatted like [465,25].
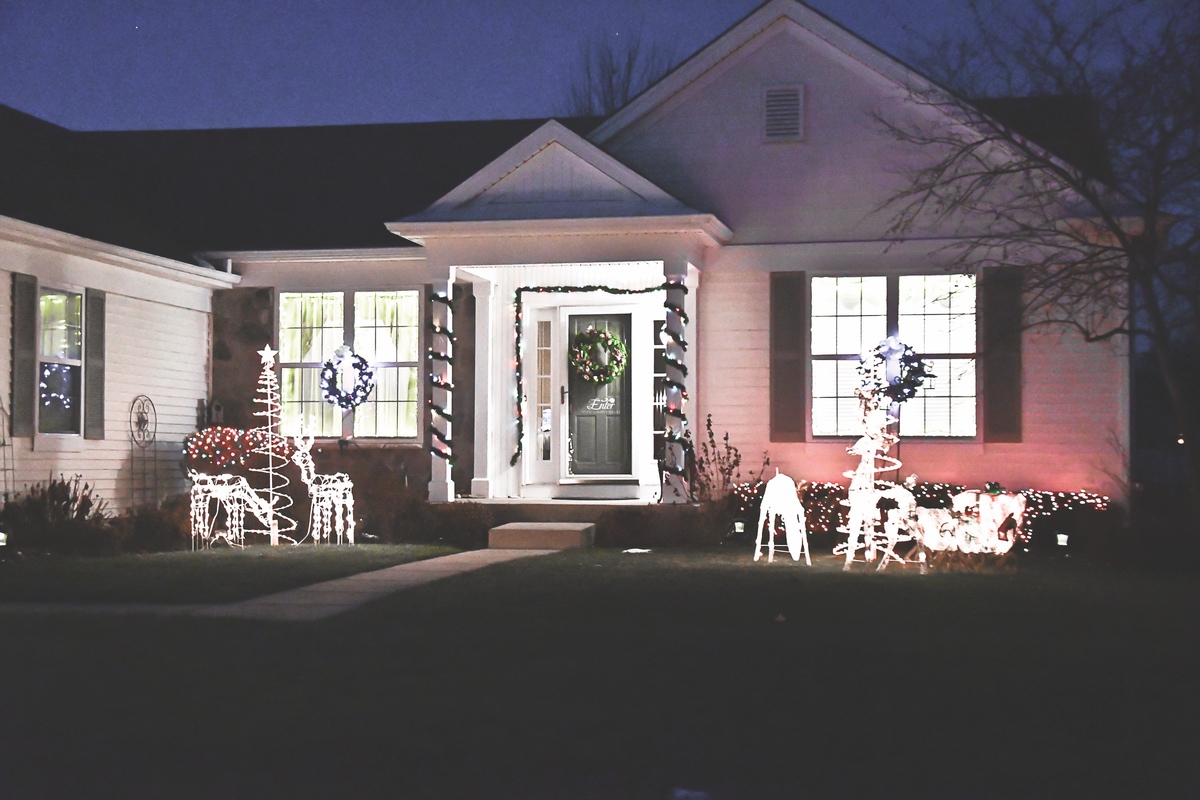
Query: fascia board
[27,233]
[706,226]
[318,256]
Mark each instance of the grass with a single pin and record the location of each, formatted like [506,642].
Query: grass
[209,576]
[596,674]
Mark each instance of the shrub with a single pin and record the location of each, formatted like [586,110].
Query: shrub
[403,517]
[64,516]
[153,529]
[718,467]
[669,525]
[462,524]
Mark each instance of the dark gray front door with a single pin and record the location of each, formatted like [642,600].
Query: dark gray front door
[600,424]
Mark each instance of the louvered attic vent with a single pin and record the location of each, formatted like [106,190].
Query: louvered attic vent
[784,114]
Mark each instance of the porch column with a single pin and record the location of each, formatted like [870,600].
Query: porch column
[678,274]
[440,360]
[481,481]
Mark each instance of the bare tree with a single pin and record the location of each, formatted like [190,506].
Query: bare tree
[1107,237]
[612,70]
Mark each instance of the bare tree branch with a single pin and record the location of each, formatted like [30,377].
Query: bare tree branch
[612,70]
[1108,248]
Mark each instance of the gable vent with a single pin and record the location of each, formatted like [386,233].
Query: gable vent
[784,113]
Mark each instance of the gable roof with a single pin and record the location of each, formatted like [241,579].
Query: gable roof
[553,173]
[742,33]
[1067,127]
[179,193]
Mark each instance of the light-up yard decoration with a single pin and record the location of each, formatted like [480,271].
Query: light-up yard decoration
[781,504]
[274,450]
[232,494]
[877,391]
[332,512]
[976,524]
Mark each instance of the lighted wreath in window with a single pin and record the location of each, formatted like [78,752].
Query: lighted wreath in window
[347,379]
[598,356]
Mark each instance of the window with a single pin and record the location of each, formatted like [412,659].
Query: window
[934,314]
[383,327]
[545,408]
[60,361]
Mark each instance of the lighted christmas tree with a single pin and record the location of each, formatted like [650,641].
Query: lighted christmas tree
[274,448]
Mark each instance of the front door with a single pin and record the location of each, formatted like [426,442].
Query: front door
[600,429]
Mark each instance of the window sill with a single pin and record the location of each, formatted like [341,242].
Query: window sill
[367,442]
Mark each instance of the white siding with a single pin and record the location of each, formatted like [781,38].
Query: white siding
[154,347]
[1074,417]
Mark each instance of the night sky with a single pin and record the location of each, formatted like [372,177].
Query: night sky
[126,64]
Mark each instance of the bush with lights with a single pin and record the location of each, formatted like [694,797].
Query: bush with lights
[222,449]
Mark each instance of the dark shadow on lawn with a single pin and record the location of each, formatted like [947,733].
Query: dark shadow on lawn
[594,674]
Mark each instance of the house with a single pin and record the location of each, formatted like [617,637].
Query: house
[724,225]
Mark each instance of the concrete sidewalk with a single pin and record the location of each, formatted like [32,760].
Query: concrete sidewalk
[308,603]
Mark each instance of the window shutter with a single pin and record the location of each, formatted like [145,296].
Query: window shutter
[1000,359]
[789,355]
[93,365]
[24,353]
[784,113]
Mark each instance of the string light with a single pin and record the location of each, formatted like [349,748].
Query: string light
[347,367]
[272,446]
[518,331]
[441,347]
[49,371]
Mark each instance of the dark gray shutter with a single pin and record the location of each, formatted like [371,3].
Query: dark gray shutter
[1000,359]
[93,365]
[24,353]
[789,355]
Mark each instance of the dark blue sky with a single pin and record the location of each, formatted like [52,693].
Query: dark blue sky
[122,64]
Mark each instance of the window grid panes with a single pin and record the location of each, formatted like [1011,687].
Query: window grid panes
[934,314]
[849,315]
[60,361]
[544,404]
[383,327]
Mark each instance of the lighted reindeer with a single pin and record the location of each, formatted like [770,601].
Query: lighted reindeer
[232,493]
[781,502]
[332,511]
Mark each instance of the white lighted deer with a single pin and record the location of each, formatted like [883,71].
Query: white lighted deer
[781,502]
[332,511]
[232,493]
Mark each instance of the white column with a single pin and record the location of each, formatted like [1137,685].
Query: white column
[441,383]
[481,482]
[676,273]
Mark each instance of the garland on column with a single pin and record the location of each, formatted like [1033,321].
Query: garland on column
[673,437]
[518,304]
[440,444]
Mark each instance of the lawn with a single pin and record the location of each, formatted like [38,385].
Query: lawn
[597,674]
[209,576]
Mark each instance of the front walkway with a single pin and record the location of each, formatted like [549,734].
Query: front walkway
[308,603]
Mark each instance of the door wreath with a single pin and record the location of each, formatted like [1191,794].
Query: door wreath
[598,356]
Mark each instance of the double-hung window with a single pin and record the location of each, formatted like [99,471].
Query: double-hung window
[384,328]
[59,361]
[933,314]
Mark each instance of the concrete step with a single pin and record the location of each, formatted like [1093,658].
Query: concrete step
[541,535]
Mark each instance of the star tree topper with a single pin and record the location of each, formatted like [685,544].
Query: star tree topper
[268,356]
